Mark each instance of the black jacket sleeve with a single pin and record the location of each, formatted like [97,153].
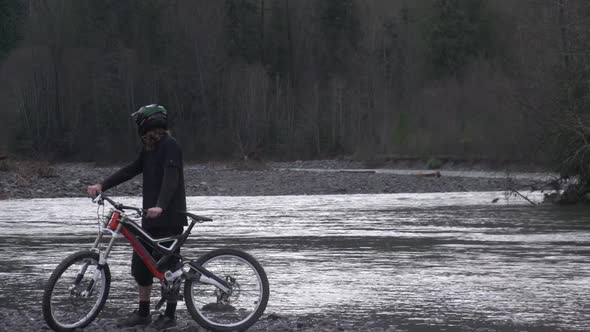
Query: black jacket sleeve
[169,185]
[124,174]
[171,179]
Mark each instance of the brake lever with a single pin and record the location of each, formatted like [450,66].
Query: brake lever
[139,213]
[98,199]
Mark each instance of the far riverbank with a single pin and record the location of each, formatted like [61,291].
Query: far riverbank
[324,177]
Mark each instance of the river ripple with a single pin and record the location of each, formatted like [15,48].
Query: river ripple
[438,259]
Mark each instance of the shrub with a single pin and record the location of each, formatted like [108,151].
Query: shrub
[44,170]
[7,166]
[434,163]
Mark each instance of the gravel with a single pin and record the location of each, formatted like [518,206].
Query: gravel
[227,179]
[18,321]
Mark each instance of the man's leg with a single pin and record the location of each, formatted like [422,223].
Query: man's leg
[144,300]
[170,309]
[169,318]
[171,305]
[144,279]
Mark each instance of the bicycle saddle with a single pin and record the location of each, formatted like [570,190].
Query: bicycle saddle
[194,216]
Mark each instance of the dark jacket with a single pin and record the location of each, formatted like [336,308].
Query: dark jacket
[163,183]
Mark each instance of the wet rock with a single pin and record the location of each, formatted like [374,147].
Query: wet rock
[273,316]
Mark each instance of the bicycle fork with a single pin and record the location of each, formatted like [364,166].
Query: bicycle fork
[102,261]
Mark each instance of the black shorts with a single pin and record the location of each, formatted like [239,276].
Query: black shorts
[142,274]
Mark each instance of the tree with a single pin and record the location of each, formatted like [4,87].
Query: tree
[12,14]
[340,27]
[458,32]
[244,29]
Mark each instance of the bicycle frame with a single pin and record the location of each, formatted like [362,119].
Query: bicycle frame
[225,289]
[117,224]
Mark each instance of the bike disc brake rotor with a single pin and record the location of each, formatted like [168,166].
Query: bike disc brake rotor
[240,303]
[72,302]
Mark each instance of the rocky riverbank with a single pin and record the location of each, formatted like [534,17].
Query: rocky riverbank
[42,180]
[15,321]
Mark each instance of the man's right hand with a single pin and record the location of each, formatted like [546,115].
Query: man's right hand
[94,190]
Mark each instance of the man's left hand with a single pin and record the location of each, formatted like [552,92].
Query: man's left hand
[154,212]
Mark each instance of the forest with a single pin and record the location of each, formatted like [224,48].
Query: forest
[299,79]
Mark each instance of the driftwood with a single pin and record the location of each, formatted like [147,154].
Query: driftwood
[369,171]
[430,175]
[516,192]
[448,158]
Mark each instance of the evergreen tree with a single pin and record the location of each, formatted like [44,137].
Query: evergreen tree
[277,44]
[12,13]
[458,32]
[243,29]
[341,30]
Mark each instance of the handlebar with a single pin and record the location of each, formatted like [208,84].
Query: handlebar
[101,197]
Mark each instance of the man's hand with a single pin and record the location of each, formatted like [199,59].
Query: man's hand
[94,190]
[154,212]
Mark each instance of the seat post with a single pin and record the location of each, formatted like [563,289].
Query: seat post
[187,232]
[190,227]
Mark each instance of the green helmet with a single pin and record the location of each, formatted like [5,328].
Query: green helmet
[150,117]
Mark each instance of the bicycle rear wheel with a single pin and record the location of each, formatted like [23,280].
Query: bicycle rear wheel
[67,304]
[239,309]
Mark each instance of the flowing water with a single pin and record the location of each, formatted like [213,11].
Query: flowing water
[434,259]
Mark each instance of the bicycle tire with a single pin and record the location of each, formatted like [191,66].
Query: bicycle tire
[69,261]
[253,317]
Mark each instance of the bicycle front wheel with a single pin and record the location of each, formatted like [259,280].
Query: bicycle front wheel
[238,309]
[76,292]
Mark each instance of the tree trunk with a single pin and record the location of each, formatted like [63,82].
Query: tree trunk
[293,77]
[562,4]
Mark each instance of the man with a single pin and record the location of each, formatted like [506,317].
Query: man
[160,161]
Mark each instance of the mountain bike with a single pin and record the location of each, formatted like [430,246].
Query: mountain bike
[224,290]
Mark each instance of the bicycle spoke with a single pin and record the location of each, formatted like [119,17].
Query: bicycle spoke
[72,303]
[243,300]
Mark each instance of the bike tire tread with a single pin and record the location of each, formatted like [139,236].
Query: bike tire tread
[56,274]
[265,290]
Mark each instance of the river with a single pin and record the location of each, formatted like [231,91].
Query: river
[443,259]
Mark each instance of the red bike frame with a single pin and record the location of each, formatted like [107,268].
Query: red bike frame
[117,223]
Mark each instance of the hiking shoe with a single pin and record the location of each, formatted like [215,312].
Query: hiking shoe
[134,320]
[163,322]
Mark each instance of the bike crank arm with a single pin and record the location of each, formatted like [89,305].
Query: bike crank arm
[206,277]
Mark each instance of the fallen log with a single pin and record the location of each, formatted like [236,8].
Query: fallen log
[369,171]
[430,175]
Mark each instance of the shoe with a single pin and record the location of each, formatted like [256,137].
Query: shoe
[134,320]
[163,322]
